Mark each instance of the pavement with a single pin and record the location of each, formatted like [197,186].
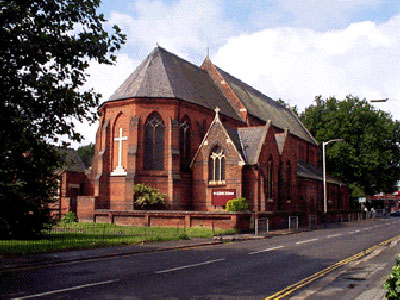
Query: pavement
[360,279]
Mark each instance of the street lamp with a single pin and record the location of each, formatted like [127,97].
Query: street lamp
[380,100]
[323,173]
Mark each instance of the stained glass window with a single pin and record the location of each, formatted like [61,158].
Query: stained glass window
[216,166]
[154,143]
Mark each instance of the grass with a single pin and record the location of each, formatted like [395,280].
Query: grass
[91,235]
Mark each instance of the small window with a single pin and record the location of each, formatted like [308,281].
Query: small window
[216,166]
[269,178]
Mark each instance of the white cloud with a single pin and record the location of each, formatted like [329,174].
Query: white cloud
[185,27]
[298,64]
[104,79]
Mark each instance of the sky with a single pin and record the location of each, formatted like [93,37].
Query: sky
[292,50]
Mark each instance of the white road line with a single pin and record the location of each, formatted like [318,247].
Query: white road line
[77,287]
[306,241]
[367,228]
[376,226]
[333,235]
[266,250]
[189,266]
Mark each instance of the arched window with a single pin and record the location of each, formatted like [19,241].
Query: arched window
[184,143]
[216,166]
[154,143]
[288,181]
[269,178]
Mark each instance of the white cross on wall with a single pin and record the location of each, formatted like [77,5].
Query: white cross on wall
[119,170]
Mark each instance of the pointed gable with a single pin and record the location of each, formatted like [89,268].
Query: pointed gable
[217,128]
[163,74]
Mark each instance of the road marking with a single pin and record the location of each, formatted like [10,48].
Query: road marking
[207,262]
[77,287]
[333,235]
[306,241]
[376,226]
[266,250]
[296,286]
[367,228]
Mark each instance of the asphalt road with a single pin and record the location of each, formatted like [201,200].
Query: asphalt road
[247,270]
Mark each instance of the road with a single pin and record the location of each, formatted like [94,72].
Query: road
[248,270]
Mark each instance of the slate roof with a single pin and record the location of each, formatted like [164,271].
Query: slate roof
[263,107]
[163,74]
[72,160]
[310,171]
[252,139]
[280,141]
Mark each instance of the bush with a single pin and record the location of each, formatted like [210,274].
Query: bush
[69,218]
[237,204]
[147,197]
[392,284]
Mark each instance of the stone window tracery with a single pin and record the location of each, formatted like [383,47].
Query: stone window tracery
[216,166]
[154,142]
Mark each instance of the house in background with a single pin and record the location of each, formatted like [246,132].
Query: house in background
[71,181]
[202,137]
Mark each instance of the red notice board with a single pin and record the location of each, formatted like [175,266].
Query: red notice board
[221,196]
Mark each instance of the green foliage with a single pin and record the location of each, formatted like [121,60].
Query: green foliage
[69,218]
[86,154]
[237,204]
[368,159]
[147,197]
[392,284]
[45,50]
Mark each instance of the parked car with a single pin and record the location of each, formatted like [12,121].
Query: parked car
[395,213]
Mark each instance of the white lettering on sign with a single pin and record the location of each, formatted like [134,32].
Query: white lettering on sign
[223,193]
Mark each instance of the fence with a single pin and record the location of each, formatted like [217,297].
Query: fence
[98,235]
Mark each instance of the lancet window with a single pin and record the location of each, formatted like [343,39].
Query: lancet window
[184,143]
[154,142]
[216,166]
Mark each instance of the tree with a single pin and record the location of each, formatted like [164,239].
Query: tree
[45,49]
[368,159]
[86,154]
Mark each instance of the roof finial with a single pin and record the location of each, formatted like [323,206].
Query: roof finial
[217,109]
[157,44]
[208,53]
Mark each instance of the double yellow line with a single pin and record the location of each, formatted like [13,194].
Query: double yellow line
[294,287]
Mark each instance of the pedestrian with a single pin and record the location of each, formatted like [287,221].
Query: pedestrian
[366,213]
[372,213]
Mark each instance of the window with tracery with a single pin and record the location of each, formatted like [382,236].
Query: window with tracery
[154,143]
[269,178]
[184,144]
[216,166]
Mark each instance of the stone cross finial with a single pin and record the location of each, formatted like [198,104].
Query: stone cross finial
[217,109]
[119,169]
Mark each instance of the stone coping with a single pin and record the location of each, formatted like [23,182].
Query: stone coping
[168,212]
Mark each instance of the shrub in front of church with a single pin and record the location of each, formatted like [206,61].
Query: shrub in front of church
[147,197]
[237,204]
[69,218]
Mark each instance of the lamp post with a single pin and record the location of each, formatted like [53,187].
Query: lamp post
[324,177]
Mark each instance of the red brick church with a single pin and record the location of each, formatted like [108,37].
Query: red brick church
[202,137]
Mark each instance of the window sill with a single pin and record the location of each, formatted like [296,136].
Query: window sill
[218,182]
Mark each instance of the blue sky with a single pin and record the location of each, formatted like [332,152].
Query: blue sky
[288,49]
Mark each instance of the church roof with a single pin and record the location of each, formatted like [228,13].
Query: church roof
[310,171]
[264,108]
[163,74]
[72,161]
[252,140]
